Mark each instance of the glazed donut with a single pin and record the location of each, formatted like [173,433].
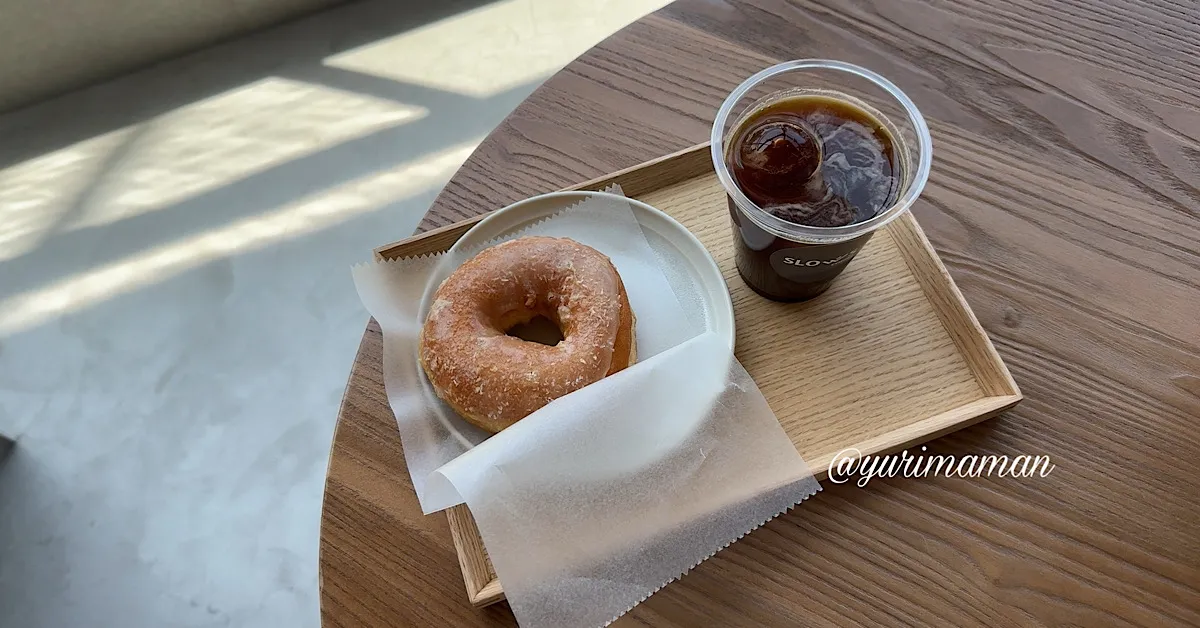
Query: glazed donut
[494,380]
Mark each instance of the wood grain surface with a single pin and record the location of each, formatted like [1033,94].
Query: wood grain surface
[1065,201]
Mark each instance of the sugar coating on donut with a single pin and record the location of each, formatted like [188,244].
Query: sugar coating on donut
[493,380]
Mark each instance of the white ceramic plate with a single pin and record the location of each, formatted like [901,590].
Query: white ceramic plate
[686,264]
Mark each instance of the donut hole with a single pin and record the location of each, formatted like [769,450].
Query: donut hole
[539,329]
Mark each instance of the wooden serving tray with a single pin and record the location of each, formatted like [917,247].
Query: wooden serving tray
[891,356]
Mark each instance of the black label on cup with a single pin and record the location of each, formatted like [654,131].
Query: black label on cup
[811,263]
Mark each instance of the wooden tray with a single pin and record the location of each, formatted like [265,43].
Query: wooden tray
[891,356]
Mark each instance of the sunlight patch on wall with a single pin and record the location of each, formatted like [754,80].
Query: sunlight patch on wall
[36,194]
[181,154]
[486,51]
[307,215]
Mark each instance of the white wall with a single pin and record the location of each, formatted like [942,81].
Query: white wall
[51,46]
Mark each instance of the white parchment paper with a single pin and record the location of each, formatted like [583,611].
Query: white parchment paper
[600,498]
[580,530]
[392,292]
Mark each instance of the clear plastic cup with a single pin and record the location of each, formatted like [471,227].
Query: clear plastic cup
[787,261]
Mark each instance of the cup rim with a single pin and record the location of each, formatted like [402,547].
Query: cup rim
[822,235]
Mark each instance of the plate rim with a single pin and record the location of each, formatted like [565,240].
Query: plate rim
[436,278]
[710,264]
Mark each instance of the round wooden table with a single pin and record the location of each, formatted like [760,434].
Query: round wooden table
[1063,200]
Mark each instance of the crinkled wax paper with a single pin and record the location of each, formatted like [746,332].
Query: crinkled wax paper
[597,500]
